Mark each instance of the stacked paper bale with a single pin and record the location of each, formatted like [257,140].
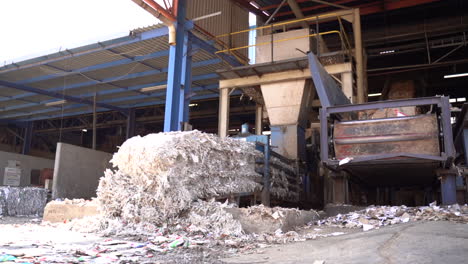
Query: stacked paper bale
[22,201]
[285,181]
[160,175]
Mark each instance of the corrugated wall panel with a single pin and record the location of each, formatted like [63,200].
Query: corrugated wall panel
[233,18]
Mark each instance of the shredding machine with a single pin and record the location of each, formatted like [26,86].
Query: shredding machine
[401,150]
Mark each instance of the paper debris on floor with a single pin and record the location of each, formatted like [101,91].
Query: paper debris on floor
[377,216]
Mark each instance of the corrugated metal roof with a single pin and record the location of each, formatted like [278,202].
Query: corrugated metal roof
[21,106]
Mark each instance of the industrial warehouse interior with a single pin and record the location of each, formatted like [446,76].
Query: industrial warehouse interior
[234,131]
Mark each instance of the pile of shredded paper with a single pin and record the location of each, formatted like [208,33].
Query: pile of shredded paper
[159,177]
[377,216]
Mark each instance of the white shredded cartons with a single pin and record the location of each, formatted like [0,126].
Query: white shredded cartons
[160,175]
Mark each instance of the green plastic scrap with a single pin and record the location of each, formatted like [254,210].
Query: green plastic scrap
[176,243]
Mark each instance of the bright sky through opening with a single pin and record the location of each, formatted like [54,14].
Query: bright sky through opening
[32,28]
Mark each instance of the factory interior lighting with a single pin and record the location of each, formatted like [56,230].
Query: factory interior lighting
[154,88]
[374,94]
[456,75]
[61,102]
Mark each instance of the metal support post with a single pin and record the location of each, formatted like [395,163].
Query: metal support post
[258,119]
[94,121]
[131,123]
[272,42]
[266,176]
[174,76]
[223,119]
[186,81]
[347,85]
[340,187]
[27,138]
[427,46]
[465,145]
[323,134]
[361,97]
[448,186]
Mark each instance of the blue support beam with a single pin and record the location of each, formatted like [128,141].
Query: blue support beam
[114,100]
[186,81]
[448,186]
[172,120]
[465,144]
[85,50]
[107,80]
[115,63]
[144,104]
[59,96]
[27,138]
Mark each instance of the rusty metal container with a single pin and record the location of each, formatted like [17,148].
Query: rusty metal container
[410,135]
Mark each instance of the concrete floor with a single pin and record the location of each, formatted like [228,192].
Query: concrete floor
[33,242]
[415,242]
[419,242]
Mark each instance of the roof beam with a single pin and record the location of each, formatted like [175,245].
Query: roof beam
[114,100]
[383,6]
[125,61]
[297,12]
[198,97]
[84,50]
[330,4]
[366,9]
[60,96]
[156,10]
[266,8]
[246,4]
[111,79]
[274,12]
[311,8]
[194,114]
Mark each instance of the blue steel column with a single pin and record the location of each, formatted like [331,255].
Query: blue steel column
[448,185]
[174,76]
[130,123]
[465,144]
[186,79]
[449,189]
[27,138]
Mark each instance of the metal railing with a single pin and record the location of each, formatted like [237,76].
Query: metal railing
[345,43]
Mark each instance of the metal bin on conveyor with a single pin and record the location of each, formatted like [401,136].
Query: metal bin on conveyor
[402,150]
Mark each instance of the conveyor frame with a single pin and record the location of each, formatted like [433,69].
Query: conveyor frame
[332,113]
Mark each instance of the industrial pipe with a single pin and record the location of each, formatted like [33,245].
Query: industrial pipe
[172,34]
[167,16]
